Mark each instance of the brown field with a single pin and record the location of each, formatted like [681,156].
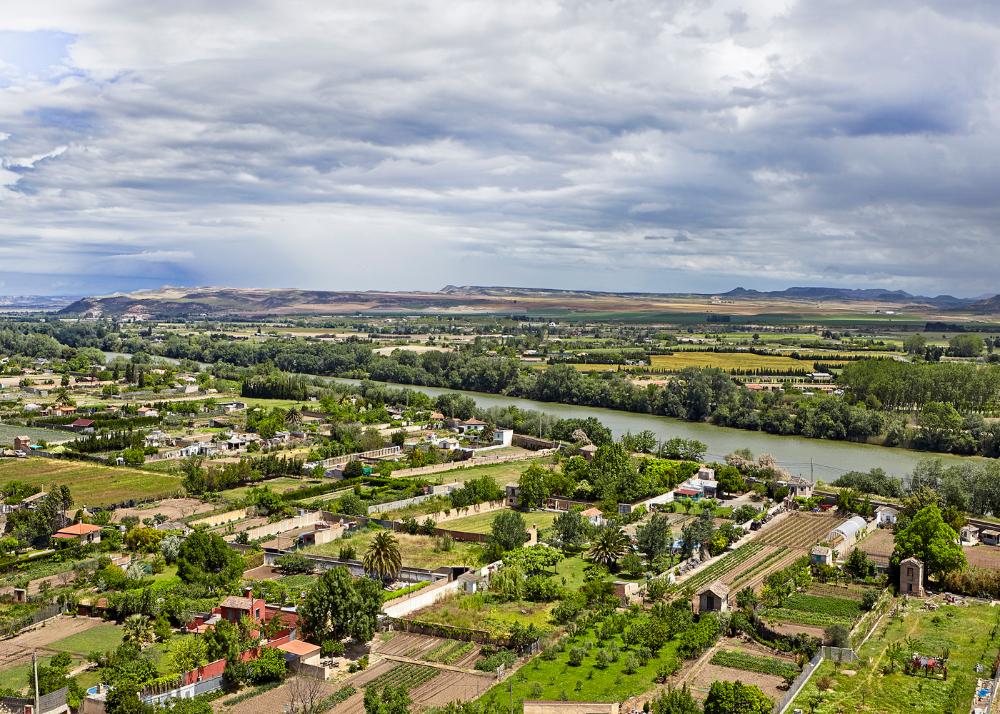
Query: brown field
[764,563]
[879,545]
[406,644]
[801,530]
[277,700]
[447,686]
[982,556]
[173,508]
[700,678]
[18,649]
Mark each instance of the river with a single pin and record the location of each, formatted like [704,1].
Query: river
[811,458]
[818,459]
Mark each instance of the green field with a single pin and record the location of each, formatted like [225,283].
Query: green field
[477,610]
[281,484]
[100,638]
[9,431]
[501,473]
[867,685]
[416,550]
[482,522]
[91,484]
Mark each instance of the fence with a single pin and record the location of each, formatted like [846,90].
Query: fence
[14,627]
[799,682]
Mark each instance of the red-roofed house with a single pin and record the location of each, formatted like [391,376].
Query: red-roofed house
[81,532]
[234,607]
[594,515]
[81,424]
[297,651]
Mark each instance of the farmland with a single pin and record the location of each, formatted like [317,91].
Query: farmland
[801,530]
[761,664]
[872,685]
[51,436]
[417,551]
[481,522]
[731,361]
[91,484]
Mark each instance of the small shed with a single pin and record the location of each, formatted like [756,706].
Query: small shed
[886,516]
[821,555]
[714,598]
[911,577]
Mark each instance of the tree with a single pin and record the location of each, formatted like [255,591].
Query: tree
[571,529]
[931,540]
[859,564]
[269,666]
[390,700]
[337,607]
[655,536]
[965,345]
[915,344]
[508,531]
[737,698]
[138,630]
[205,558]
[382,558]
[354,469]
[614,475]
[730,480]
[294,564]
[533,486]
[838,636]
[608,546]
[187,653]
[675,701]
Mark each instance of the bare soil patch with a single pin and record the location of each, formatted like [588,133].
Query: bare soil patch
[172,508]
[18,649]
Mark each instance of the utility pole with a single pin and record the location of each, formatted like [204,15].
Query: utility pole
[34,671]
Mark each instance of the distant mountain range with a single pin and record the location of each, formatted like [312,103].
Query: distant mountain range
[35,302]
[252,302]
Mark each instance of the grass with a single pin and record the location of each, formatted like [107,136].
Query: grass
[9,431]
[501,473]
[477,611]
[100,638]
[91,484]
[482,522]
[281,484]
[416,550]
[968,632]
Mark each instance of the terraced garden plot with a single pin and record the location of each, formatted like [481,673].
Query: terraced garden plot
[768,560]
[736,659]
[450,687]
[432,649]
[801,530]
[407,676]
[722,566]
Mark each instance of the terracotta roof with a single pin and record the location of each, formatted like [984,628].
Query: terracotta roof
[238,603]
[591,512]
[299,647]
[77,529]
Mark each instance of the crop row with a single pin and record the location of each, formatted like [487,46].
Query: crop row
[724,565]
[755,663]
[407,676]
[759,566]
[799,617]
[449,652]
[824,604]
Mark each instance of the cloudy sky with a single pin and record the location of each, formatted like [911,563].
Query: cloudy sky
[602,144]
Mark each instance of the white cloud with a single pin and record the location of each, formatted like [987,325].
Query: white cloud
[364,145]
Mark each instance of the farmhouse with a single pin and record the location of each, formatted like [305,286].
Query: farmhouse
[80,532]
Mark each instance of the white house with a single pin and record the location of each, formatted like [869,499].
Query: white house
[885,516]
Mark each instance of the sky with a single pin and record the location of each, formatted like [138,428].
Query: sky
[601,144]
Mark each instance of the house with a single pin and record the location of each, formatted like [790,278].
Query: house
[594,516]
[63,410]
[30,503]
[512,494]
[988,536]
[82,425]
[969,535]
[714,598]
[229,407]
[798,487]
[468,426]
[147,412]
[234,607]
[821,555]
[84,533]
[22,443]
[911,577]
[885,516]
[627,593]
[587,451]
[503,437]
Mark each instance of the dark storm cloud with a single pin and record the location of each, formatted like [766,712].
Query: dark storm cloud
[631,145]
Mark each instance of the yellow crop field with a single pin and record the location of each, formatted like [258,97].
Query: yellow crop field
[733,361]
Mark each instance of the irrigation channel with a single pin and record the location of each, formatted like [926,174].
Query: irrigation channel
[816,459]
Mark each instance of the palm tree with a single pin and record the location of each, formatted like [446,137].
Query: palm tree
[137,629]
[608,546]
[293,417]
[382,557]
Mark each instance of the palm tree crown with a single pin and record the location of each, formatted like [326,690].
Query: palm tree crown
[382,557]
[608,546]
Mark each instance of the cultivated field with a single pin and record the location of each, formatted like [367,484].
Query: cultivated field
[91,484]
[879,545]
[734,660]
[416,550]
[731,361]
[431,649]
[482,522]
[801,530]
[982,556]
[52,436]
